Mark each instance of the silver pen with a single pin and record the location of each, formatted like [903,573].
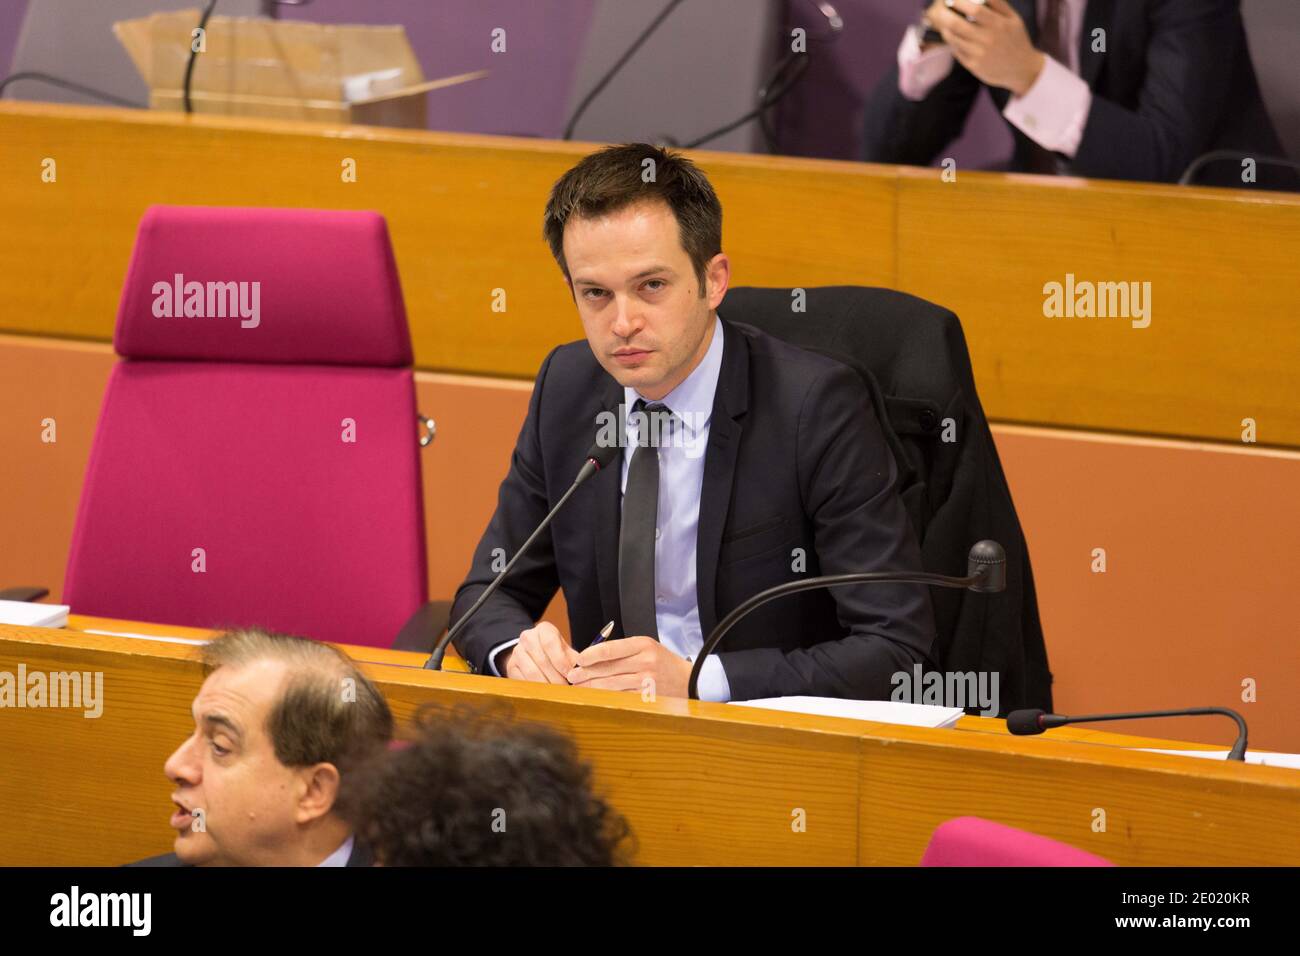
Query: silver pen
[605,631]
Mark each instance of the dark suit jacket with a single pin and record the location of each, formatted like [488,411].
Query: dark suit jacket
[1175,82]
[361,856]
[795,459]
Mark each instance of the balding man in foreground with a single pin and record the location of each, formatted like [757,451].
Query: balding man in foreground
[277,723]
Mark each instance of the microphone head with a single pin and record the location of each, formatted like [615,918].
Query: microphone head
[1026,723]
[988,559]
[601,455]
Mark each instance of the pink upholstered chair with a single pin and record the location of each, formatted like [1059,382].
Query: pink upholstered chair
[257,464]
[972,841]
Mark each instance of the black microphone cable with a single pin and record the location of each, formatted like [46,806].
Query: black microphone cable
[780,81]
[1027,723]
[986,567]
[67,85]
[598,456]
[189,66]
[618,65]
[1188,178]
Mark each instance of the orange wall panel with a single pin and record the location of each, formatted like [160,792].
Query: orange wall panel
[465,212]
[1197,596]
[40,482]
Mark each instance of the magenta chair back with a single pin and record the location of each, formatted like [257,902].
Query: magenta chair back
[257,456]
[973,841]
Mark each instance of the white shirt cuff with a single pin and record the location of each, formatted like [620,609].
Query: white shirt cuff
[920,71]
[713,685]
[1054,112]
[492,656]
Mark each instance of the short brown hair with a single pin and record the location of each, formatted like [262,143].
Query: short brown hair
[613,178]
[318,718]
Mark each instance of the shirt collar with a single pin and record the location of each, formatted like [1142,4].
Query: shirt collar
[340,856]
[692,400]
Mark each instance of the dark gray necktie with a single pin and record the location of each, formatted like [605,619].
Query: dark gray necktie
[636,540]
[1052,33]
[1052,41]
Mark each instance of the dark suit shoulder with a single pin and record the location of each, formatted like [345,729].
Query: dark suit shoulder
[789,374]
[361,855]
[166,859]
[570,392]
[569,379]
[797,359]
[574,358]
[573,362]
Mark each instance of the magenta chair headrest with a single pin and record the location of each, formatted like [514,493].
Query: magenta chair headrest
[236,285]
[223,488]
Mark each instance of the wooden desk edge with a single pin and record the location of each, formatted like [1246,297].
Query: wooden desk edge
[902,176]
[989,735]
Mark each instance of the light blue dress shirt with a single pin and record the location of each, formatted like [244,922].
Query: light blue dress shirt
[681,478]
[340,856]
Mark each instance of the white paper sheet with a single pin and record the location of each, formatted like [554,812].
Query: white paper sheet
[148,637]
[1264,757]
[883,711]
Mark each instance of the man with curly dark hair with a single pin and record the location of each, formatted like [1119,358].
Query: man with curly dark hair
[476,788]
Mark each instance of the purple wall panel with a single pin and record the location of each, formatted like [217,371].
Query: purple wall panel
[11,21]
[822,116]
[528,87]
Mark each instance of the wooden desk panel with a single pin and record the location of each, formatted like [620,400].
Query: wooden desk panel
[700,783]
[465,211]
[1221,267]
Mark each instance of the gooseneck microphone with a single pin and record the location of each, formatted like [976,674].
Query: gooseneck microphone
[618,65]
[986,573]
[193,52]
[1026,723]
[1188,178]
[598,456]
[779,82]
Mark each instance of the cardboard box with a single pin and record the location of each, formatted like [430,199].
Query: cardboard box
[253,66]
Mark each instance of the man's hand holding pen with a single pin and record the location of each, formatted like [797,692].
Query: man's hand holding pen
[632,664]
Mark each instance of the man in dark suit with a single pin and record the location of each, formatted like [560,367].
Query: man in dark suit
[358,855]
[745,462]
[277,723]
[1113,89]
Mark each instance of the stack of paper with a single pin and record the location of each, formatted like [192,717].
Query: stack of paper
[27,614]
[1265,757]
[882,711]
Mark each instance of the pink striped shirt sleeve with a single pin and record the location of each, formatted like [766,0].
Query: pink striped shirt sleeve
[1054,111]
[920,71]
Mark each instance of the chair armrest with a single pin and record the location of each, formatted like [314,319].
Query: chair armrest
[423,628]
[28,594]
